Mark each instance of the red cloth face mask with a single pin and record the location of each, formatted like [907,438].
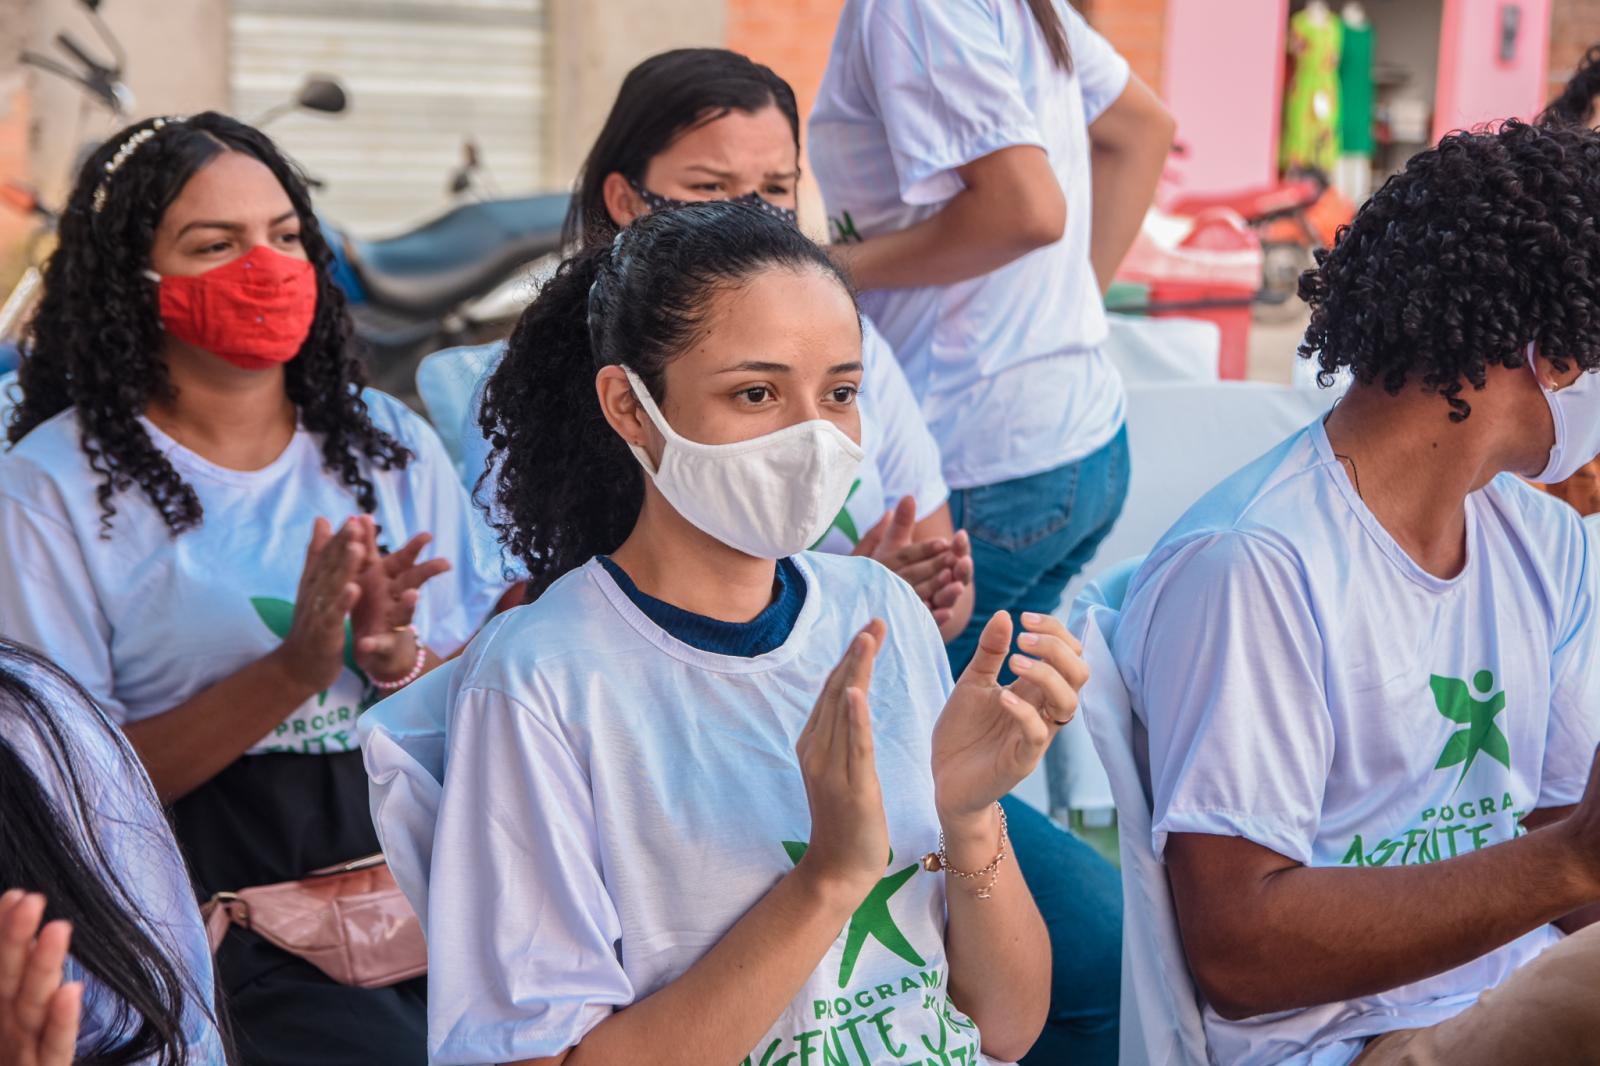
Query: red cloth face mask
[255,312]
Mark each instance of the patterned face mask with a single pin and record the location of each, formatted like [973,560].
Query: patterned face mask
[657,202]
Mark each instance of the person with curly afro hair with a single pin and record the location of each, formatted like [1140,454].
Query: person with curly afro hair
[197,510]
[1369,662]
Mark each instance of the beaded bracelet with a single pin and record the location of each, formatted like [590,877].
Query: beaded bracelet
[935,861]
[416,667]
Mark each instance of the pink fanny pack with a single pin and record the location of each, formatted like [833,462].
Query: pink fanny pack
[350,921]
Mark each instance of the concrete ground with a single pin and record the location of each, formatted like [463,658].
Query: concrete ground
[1272,345]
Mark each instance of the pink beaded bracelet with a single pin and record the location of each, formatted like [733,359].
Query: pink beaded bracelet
[416,667]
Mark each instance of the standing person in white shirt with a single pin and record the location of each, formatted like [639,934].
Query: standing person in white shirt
[1369,662]
[191,421]
[655,840]
[986,165]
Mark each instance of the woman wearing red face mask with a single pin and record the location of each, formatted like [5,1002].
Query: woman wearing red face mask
[213,527]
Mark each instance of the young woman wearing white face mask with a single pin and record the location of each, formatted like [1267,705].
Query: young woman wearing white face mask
[675,826]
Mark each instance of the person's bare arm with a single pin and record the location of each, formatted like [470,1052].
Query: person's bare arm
[187,746]
[1583,916]
[1129,143]
[719,1009]
[987,740]
[1012,205]
[1263,933]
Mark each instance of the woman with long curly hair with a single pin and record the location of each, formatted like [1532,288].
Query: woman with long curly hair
[199,509]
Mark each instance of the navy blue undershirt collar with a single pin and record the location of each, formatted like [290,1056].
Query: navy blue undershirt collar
[763,633]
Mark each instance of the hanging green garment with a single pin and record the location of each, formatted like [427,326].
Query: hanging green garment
[1355,91]
[1311,112]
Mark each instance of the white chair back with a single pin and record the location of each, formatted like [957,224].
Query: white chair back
[1161,1023]
[448,383]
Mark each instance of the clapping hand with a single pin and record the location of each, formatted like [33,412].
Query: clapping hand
[390,588]
[991,736]
[939,569]
[849,833]
[39,1014]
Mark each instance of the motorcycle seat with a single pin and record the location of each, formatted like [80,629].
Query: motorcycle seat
[463,253]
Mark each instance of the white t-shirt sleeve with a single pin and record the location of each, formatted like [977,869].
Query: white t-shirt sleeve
[908,457]
[522,933]
[1102,74]
[946,88]
[1241,739]
[47,600]
[1574,728]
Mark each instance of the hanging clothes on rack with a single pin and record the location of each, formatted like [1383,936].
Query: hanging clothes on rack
[1353,176]
[1311,112]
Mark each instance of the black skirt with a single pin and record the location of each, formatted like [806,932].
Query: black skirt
[270,818]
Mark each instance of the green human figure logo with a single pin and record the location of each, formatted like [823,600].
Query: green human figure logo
[872,918]
[1456,702]
[844,523]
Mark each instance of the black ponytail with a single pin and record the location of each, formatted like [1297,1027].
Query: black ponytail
[566,487]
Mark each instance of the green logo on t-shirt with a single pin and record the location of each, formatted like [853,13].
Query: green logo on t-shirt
[326,727]
[871,919]
[844,523]
[1456,702]
[843,229]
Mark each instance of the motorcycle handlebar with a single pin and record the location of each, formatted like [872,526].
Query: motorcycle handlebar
[70,45]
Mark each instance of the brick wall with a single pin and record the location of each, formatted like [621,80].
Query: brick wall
[14,133]
[792,37]
[1574,26]
[1136,28]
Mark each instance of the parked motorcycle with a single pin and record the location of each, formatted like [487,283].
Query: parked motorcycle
[462,278]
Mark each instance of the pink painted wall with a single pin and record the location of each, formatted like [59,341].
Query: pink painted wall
[1475,85]
[1223,79]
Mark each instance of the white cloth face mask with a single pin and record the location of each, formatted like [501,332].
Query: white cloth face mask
[770,496]
[1576,411]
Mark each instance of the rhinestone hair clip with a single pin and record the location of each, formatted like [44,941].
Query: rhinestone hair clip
[130,146]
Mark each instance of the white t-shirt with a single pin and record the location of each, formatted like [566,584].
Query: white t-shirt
[902,458]
[614,800]
[1007,366]
[1310,688]
[142,859]
[144,620]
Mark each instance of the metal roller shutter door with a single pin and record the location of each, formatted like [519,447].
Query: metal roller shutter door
[422,76]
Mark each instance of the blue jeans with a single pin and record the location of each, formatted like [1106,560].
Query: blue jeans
[1080,896]
[1031,536]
